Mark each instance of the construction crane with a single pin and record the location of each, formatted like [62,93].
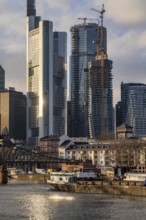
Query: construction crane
[85,19]
[100,55]
[102,11]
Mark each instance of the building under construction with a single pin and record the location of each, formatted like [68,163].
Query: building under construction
[83,50]
[100,94]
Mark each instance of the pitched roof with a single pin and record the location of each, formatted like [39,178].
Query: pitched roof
[124,128]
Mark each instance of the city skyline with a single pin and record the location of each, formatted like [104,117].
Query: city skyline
[126,36]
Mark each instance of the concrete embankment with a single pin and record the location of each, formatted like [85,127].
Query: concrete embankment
[130,189]
[33,177]
[3,175]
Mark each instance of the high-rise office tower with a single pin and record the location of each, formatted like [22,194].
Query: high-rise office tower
[100,94]
[46,74]
[60,83]
[100,107]
[83,50]
[31,7]
[13,113]
[2,78]
[118,109]
[133,107]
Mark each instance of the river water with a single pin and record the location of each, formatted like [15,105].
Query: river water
[33,201]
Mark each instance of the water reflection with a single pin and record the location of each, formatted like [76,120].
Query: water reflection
[36,202]
[36,207]
[58,197]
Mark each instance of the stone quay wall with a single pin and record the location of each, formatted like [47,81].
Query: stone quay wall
[1,175]
[119,188]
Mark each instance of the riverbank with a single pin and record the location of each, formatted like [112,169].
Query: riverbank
[111,188]
[33,177]
[3,175]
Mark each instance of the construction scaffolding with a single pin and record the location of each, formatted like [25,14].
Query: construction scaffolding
[100,108]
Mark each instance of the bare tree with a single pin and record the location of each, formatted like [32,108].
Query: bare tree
[125,153]
[106,135]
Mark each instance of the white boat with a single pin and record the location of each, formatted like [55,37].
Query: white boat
[61,177]
[85,174]
[12,173]
[129,176]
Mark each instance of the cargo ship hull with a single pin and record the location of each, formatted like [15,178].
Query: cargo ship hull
[118,188]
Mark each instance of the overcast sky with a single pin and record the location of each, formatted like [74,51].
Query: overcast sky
[126,25]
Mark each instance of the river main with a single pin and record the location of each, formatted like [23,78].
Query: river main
[33,201]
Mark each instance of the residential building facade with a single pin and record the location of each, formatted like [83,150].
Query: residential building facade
[49,145]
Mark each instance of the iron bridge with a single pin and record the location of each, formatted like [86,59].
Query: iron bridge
[12,155]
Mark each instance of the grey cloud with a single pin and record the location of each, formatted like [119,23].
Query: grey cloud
[125,22]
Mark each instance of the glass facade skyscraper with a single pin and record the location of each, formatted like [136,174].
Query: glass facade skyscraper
[13,113]
[100,103]
[46,77]
[2,78]
[133,107]
[83,50]
[60,83]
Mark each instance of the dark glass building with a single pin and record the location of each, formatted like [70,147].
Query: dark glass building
[118,114]
[31,10]
[83,50]
[13,113]
[100,92]
[2,78]
[100,101]
[133,107]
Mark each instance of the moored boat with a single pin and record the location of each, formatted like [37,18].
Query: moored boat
[68,182]
[131,176]
[61,178]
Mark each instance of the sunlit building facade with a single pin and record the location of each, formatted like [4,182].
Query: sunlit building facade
[13,113]
[44,64]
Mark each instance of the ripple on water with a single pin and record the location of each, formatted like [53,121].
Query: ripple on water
[27,201]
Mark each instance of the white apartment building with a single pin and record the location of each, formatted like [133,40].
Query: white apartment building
[101,153]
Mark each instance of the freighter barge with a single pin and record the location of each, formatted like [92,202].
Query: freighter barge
[65,182]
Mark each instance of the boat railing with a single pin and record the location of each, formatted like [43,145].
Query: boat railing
[61,174]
